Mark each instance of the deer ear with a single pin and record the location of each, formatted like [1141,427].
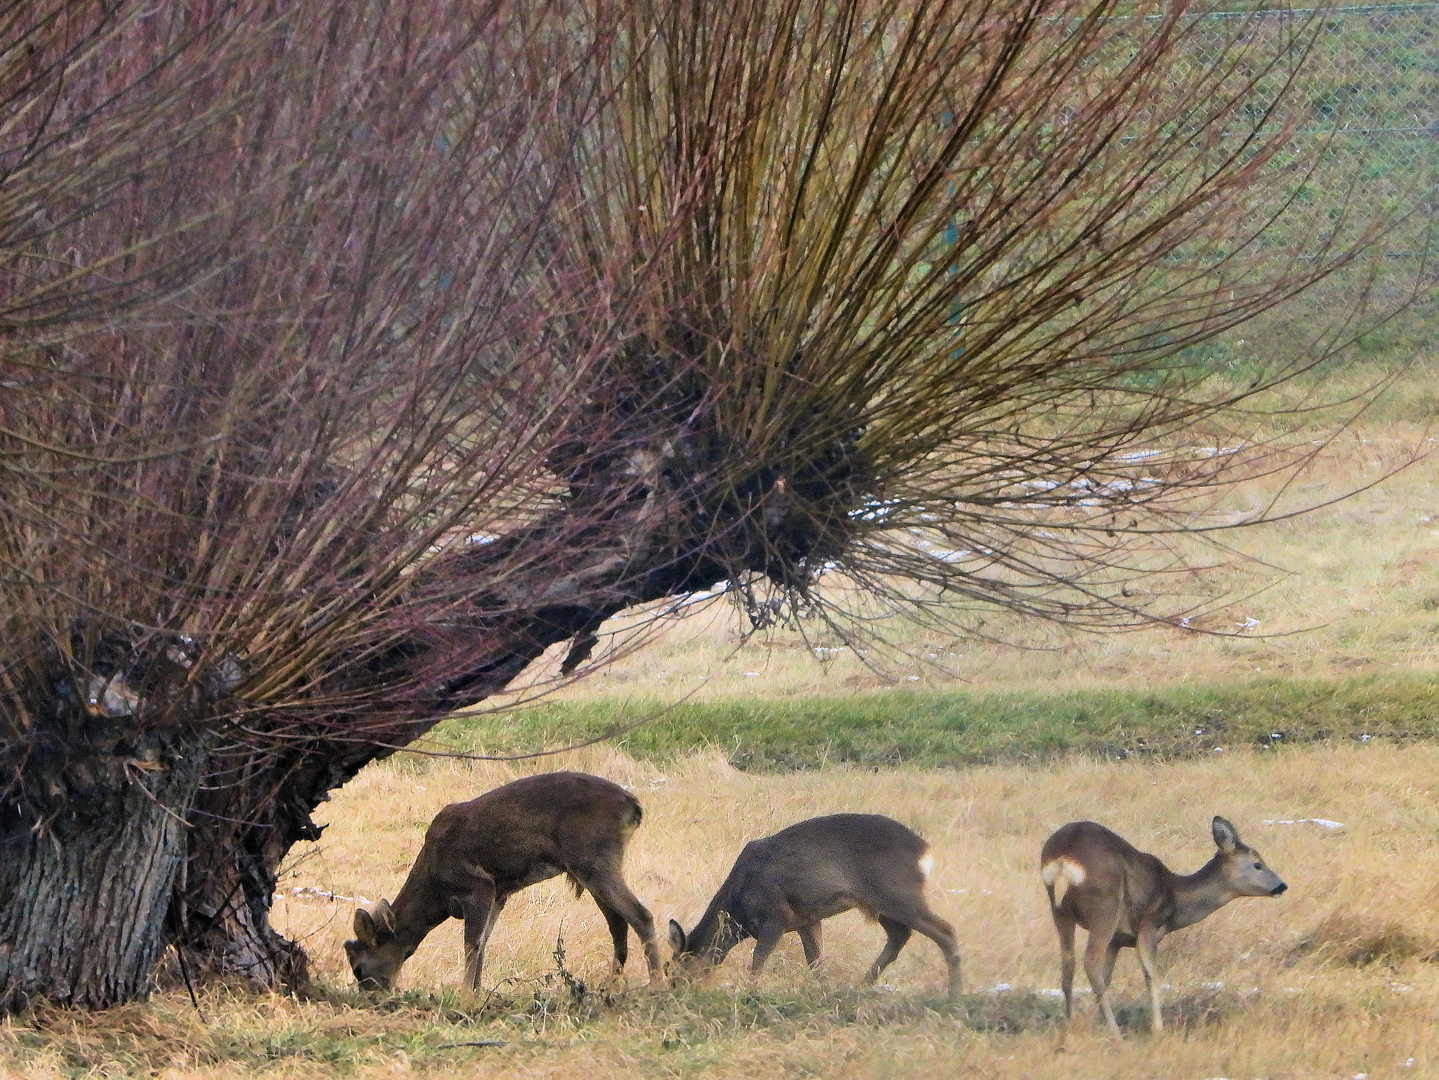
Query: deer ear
[677,937]
[385,919]
[1226,836]
[364,928]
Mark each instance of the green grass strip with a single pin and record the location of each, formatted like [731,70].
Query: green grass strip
[956,728]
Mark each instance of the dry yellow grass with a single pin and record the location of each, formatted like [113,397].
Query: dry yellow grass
[1336,978]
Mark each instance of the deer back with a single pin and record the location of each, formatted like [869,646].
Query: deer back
[526,831]
[1085,866]
[811,871]
[858,860]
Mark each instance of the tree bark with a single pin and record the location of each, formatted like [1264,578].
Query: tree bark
[84,891]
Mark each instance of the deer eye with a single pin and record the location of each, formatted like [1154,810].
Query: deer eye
[1259,866]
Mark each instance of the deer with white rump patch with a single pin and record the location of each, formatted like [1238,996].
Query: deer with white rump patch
[1127,898]
[817,868]
[478,854]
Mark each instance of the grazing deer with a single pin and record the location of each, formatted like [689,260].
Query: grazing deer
[478,854]
[810,871]
[1124,898]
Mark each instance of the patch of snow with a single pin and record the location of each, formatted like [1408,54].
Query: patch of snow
[305,892]
[1324,823]
[876,510]
[1216,451]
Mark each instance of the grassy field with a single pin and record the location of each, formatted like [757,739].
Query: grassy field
[1334,979]
[1324,704]
[955,728]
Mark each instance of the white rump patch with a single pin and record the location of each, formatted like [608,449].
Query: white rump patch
[1061,875]
[926,865]
[1071,870]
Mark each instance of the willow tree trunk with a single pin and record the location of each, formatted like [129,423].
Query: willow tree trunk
[85,890]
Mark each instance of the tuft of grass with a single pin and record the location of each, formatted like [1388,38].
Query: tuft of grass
[950,728]
[258,1033]
[1346,937]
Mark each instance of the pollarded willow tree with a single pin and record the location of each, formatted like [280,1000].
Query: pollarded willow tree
[355,356]
[262,290]
[940,273]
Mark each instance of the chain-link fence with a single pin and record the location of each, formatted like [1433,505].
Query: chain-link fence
[1364,108]
[1369,94]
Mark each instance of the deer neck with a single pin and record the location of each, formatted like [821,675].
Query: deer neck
[715,934]
[418,909]
[1199,894]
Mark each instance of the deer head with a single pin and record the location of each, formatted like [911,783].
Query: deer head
[704,946]
[1242,871]
[376,955]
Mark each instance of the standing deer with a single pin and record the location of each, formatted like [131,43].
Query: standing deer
[1125,897]
[817,868]
[478,854]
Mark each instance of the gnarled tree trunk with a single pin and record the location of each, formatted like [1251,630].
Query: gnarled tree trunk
[84,890]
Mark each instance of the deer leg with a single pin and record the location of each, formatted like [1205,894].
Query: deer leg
[1109,959]
[765,941]
[620,909]
[481,908]
[942,934]
[1099,954]
[1146,944]
[1064,924]
[896,934]
[809,937]
[619,934]
[911,912]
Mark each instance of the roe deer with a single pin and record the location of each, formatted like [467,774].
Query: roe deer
[1125,897]
[810,871]
[477,854]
